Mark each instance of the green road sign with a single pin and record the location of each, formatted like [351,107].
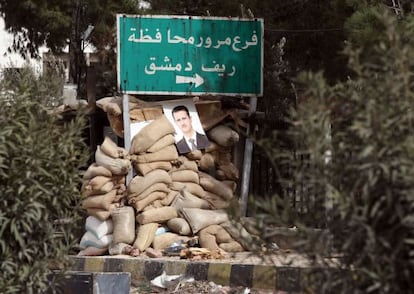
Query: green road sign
[187,55]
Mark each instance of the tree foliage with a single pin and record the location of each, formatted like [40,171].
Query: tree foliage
[50,22]
[358,149]
[40,160]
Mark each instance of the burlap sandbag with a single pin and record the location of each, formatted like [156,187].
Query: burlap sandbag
[206,162]
[212,236]
[110,105]
[145,235]
[222,156]
[96,183]
[194,155]
[214,186]
[213,147]
[168,153]
[123,219]
[207,239]
[185,176]
[161,187]
[144,168]
[223,135]
[162,241]
[141,204]
[201,218]
[118,166]
[241,235]
[193,188]
[151,134]
[170,198]
[103,190]
[99,213]
[183,163]
[232,246]
[215,201]
[102,214]
[184,199]
[96,170]
[228,172]
[158,215]
[231,184]
[163,142]
[99,201]
[111,149]
[179,225]
[140,183]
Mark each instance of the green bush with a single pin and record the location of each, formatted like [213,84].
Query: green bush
[40,159]
[356,141]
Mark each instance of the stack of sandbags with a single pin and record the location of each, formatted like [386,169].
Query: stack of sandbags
[149,191]
[153,147]
[97,238]
[104,187]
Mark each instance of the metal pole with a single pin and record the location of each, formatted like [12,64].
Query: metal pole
[247,159]
[127,130]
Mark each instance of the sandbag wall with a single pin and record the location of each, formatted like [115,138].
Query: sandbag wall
[171,197]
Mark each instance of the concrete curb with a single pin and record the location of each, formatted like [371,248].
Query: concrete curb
[291,279]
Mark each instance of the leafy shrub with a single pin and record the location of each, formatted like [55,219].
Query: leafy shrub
[357,144]
[40,159]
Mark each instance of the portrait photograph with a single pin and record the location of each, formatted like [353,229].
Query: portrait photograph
[189,133]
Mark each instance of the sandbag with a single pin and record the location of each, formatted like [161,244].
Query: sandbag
[92,251]
[184,199]
[162,241]
[108,187]
[151,134]
[168,153]
[158,215]
[99,201]
[89,240]
[212,185]
[96,170]
[207,238]
[141,204]
[206,162]
[96,183]
[179,225]
[232,246]
[124,225]
[193,188]
[97,227]
[140,183]
[194,155]
[215,201]
[185,176]
[111,149]
[118,166]
[145,168]
[223,135]
[99,213]
[160,187]
[163,142]
[241,235]
[201,218]
[169,198]
[183,163]
[228,172]
[145,235]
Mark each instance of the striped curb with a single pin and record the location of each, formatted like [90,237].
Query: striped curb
[256,276]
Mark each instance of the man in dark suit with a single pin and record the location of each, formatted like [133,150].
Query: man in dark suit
[191,140]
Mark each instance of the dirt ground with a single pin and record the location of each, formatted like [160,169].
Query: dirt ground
[197,287]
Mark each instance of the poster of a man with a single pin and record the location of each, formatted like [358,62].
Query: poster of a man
[190,135]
